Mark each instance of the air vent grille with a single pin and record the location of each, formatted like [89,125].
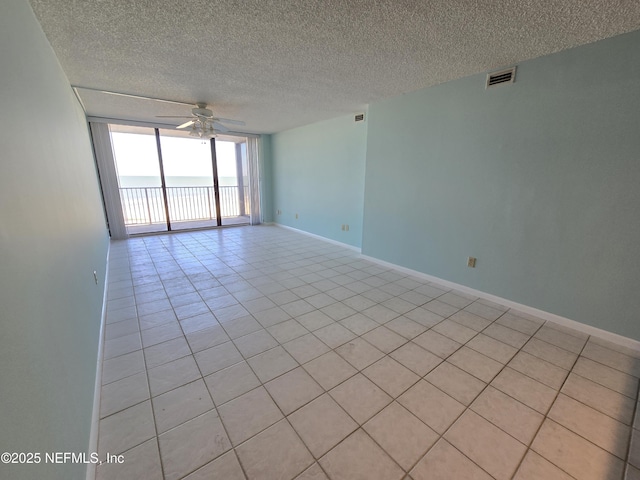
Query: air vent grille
[360,117]
[501,77]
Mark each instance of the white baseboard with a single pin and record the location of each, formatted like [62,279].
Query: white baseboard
[95,416]
[550,317]
[319,237]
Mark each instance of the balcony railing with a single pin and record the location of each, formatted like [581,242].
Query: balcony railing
[145,205]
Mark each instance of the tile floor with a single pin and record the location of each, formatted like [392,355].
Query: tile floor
[261,353]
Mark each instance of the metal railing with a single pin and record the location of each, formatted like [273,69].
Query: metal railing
[145,205]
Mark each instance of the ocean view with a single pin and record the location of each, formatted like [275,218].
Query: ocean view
[175,181]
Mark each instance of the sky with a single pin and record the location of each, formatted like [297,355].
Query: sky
[136,155]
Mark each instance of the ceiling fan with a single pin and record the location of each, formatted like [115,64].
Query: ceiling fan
[202,123]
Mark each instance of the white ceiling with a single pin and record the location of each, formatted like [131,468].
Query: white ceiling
[278,64]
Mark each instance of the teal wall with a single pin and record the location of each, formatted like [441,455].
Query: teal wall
[540,180]
[318,173]
[52,238]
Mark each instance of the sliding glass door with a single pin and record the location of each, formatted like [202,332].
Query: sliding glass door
[169,180]
[139,178]
[188,173]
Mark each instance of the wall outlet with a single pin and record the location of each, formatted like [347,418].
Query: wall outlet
[471,262]
[95,276]
[296,216]
[278,212]
[347,228]
[342,227]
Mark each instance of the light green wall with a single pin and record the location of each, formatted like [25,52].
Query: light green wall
[540,180]
[318,173]
[264,154]
[52,238]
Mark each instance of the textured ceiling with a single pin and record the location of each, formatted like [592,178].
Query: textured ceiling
[278,64]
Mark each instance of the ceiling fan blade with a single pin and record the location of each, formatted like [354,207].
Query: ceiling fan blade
[219,127]
[174,116]
[232,122]
[185,124]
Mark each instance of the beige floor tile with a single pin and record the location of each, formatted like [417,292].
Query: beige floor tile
[391,376]
[445,462]
[611,358]
[142,461]
[384,339]
[550,353]
[632,473]
[329,370]
[483,310]
[575,455]
[272,363]
[359,353]
[416,358]
[506,335]
[198,323]
[207,338]
[306,348]
[255,343]
[534,467]
[277,452]
[487,445]
[431,405]
[224,467]
[338,311]
[184,403]
[456,300]
[231,382]
[380,314]
[515,418]
[402,435]
[475,363]
[424,317]
[287,331]
[123,393]
[470,320]
[492,348]
[405,327]
[122,345]
[440,308]
[601,398]
[166,352]
[126,429]
[334,335]
[161,333]
[359,323]
[193,444]
[298,307]
[360,398]
[607,376]
[539,370]
[271,316]
[314,472]
[241,326]
[293,389]
[527,390]
[249,414]
[455,331]
[596,427]
[123,366]
[120,329]
[322,424]
[218,357]
[634,450]
[561,339]
[437,344]
[358,457]
[527,326]
[314,320]
[173,374]
[455,382]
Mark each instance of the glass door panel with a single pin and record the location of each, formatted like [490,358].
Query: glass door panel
[233,179]
[188,171]
[139,181]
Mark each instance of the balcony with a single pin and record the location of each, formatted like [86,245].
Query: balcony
[189,207]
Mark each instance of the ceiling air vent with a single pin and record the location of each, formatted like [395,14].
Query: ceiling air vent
[501,77]
[360,117]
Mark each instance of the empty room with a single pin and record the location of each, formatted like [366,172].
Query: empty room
[389,240]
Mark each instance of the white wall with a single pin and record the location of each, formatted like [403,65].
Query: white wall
[52,238]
